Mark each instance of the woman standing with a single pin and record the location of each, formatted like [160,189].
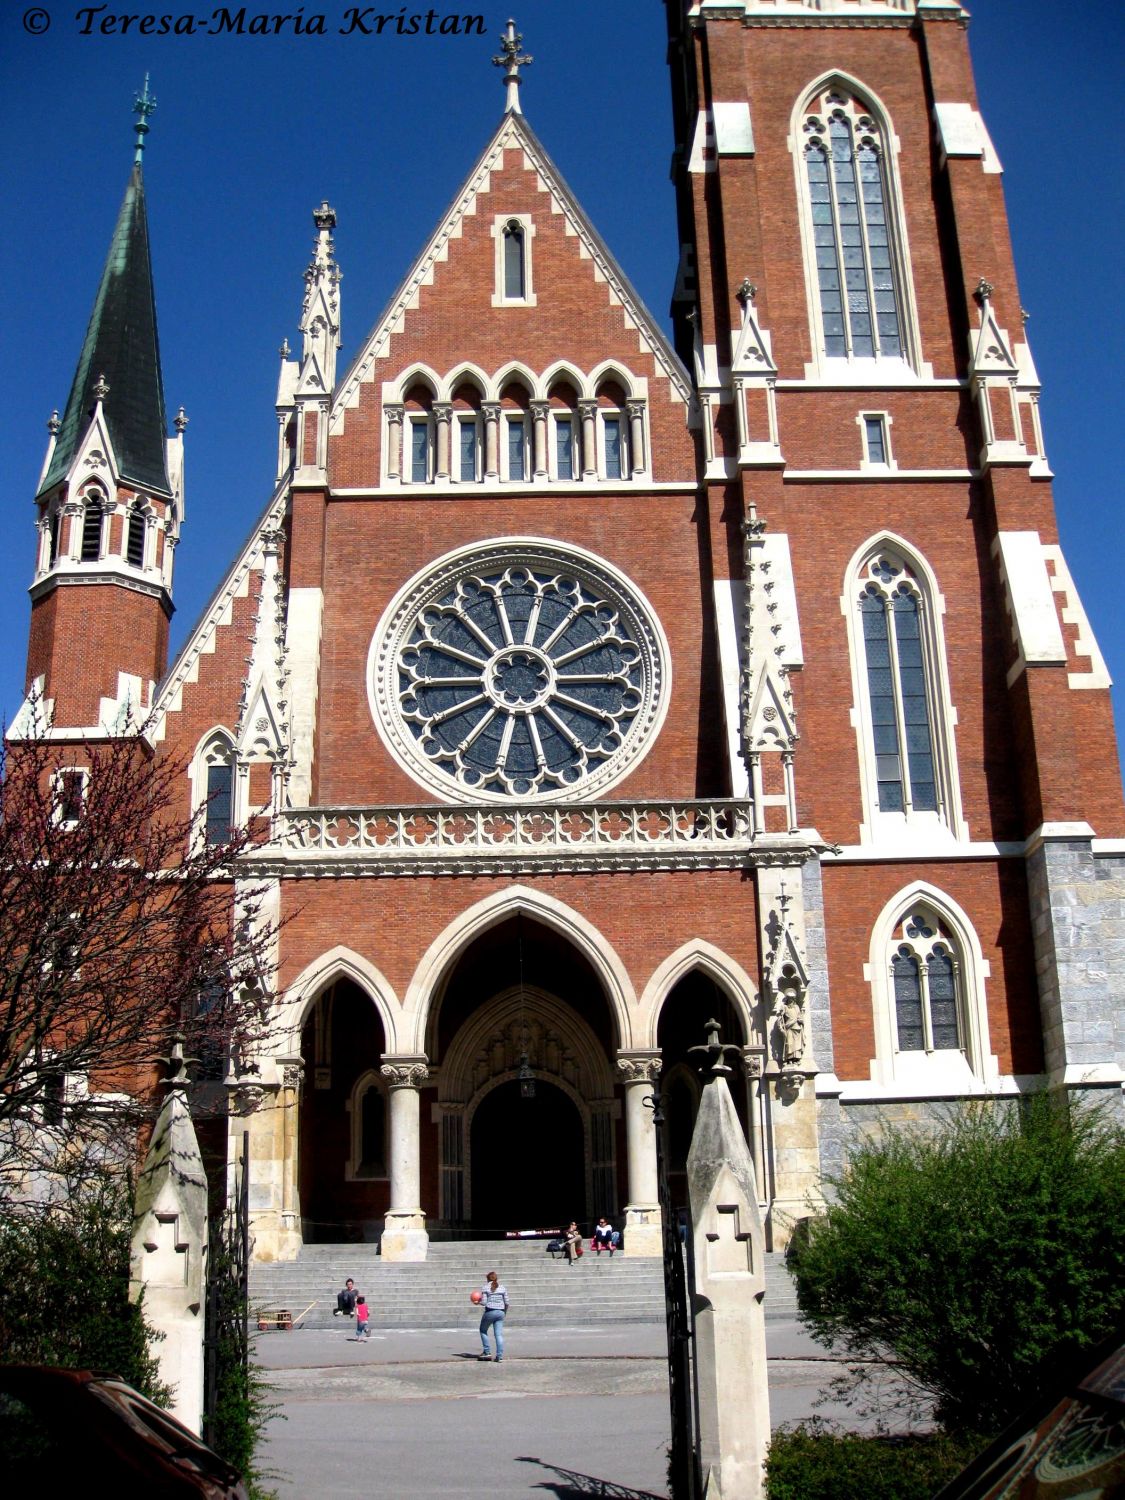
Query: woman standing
[494,1302]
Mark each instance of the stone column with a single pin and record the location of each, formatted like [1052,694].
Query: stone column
[405,1237]
[636,410]
[490,410]
[443,417]
[639,1070]
[588,411]
[539,410]
[394,441]
[290,1101]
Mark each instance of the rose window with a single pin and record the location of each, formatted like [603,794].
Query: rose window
[520,671]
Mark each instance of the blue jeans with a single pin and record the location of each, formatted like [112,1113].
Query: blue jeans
[361,1328]
[493,1319]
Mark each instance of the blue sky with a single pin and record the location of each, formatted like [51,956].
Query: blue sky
[251,132]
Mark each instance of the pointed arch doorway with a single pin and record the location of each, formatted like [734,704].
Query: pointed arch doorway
[527,1160]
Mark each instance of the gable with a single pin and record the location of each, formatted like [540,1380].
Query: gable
[449,315]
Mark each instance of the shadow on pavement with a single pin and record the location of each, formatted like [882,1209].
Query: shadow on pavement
[570,1484]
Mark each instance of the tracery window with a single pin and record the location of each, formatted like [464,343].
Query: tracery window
[849,199]
[520,670]
[899,686]
[924,977]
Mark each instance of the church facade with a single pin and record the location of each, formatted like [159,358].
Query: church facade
[583,684]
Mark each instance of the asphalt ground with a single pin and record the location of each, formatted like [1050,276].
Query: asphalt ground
[569,1412]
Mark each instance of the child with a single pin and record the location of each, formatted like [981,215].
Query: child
[361,1316]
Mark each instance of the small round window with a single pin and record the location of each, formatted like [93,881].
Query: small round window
[518,670]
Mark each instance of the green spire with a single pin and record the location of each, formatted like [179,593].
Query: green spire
[121,350]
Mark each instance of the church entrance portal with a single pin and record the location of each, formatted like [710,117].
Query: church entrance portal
[527,1160]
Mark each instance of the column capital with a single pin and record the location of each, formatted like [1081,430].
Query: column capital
[539,409]
[394,414]
[490,410]
[635,406]
[587,409]
[639,1066]
[443,411]
[409,1072]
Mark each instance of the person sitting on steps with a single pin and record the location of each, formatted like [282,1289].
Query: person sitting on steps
[605,1236]
[346,1300]
[572,1243]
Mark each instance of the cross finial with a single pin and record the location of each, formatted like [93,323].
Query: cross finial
[143,106]
[511,59]
[714,1052]
[101,389]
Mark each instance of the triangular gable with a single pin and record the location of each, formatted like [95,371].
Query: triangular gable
[991,353]
[513,131]
[752,354]
[769,718]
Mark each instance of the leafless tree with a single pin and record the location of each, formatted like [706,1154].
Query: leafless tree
[121,924]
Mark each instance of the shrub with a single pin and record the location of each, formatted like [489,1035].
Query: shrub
[64,1289]
[811,1462]
[977,1258]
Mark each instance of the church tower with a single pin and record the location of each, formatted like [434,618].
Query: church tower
[110,504]
[918,681]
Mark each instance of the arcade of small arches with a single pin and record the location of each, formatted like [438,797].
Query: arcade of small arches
[417,1123]
[515,427]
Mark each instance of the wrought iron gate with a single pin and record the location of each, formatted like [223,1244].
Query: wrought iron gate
[683,1462]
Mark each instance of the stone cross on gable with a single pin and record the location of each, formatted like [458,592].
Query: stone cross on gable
[511,59]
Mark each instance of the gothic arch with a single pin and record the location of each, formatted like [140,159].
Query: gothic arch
[948,817]
[338,963]
[610,370]
[731,977]
[418,374]
[513,373]
[974,969]
[465,374]
[855,89]
[561,370]
[438,960]
[583,1070]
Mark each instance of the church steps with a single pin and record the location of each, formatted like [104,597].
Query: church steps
[435,1293]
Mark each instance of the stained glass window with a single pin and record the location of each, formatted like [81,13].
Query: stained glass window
[854,254]
[924,976]
[521,676]
[897,690]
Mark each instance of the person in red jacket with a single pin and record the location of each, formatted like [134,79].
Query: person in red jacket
[362,1314]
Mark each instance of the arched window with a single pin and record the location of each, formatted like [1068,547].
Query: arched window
[908,761]
[92,528]
[931,1017]
[56,532]
[135,539]
[368,1110]
[215,788]
[856,250]
[515,265]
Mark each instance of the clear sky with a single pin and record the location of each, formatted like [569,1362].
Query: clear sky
[252,131]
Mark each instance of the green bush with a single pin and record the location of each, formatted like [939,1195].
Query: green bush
[64,1289]
[811,1462]
[976,1259]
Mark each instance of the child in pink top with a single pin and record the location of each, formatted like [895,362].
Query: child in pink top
[361,1316]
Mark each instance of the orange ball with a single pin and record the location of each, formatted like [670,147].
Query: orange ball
[475,1297]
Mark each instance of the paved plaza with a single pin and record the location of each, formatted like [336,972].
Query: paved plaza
[570,1412]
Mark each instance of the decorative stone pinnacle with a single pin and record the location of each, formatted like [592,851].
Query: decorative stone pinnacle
[284,350]
[747,291]
[143,106]
[181,420]
[984,290]
[53,423]
[511,59]
[177,1065]
[714,1052]
[324,217]
[101,388]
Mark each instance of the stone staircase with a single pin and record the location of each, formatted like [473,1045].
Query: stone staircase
[435,1293]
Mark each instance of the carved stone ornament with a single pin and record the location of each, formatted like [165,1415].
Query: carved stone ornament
[248,1098]
[789,1020]
[291,1076]
[639,1069]
[405,1075]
